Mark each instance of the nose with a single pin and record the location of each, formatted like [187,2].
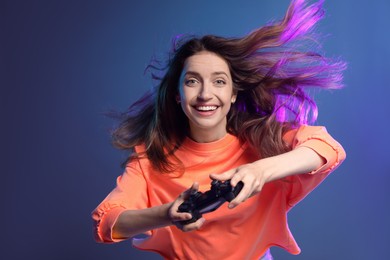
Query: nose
[205,92]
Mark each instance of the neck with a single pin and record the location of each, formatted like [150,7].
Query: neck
[206,136]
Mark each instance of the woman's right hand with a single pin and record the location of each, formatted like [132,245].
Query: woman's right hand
[176,217]
[133,222]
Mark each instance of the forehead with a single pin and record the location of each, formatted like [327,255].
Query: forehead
[206,62]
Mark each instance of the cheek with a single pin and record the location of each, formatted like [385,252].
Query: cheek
[227,96]
[187,94]
[227,107]
[184,101]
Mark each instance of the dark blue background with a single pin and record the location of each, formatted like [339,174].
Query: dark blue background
[65,63]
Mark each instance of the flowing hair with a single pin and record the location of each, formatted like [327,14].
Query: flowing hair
[272,73]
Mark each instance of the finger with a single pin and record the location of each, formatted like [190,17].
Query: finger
[223,176]
[241,197]
[187,193]
[236,179]
[195,186]
[180,216]
[174,213]
[193,226]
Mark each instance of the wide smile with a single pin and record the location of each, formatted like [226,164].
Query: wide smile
[204,108]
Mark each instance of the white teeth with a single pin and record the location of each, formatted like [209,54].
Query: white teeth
[206,108]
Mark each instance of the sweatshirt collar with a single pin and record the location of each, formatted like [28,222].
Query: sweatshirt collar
[223,143]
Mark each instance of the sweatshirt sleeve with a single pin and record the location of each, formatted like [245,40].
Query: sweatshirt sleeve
[319,140]
[130,193]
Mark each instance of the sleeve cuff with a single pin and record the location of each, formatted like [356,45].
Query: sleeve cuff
[326,151]
[106,224]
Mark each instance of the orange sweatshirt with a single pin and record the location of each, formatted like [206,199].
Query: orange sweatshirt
[245,232]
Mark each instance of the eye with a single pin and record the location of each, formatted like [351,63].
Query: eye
[190,82]
[220,82]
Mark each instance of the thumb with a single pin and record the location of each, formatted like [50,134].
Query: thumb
[187,193]
[195,186]
[223,176]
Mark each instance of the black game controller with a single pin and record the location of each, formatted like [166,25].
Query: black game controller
[199,203]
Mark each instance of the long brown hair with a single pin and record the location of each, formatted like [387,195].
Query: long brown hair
[270,76]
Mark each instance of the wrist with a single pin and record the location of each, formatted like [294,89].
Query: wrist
[269,168]
[165,215]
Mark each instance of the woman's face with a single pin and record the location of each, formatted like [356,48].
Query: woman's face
[205,95]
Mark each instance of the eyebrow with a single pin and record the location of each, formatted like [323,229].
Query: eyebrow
[216,73]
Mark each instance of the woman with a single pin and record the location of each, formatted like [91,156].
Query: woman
[226,109]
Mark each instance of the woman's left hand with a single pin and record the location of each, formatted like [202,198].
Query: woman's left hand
[253,177]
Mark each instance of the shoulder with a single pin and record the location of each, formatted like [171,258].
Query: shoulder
[305,132]
[140,148]
[138,162]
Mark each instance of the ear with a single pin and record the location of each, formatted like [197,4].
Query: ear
[233,99]
[178,99]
